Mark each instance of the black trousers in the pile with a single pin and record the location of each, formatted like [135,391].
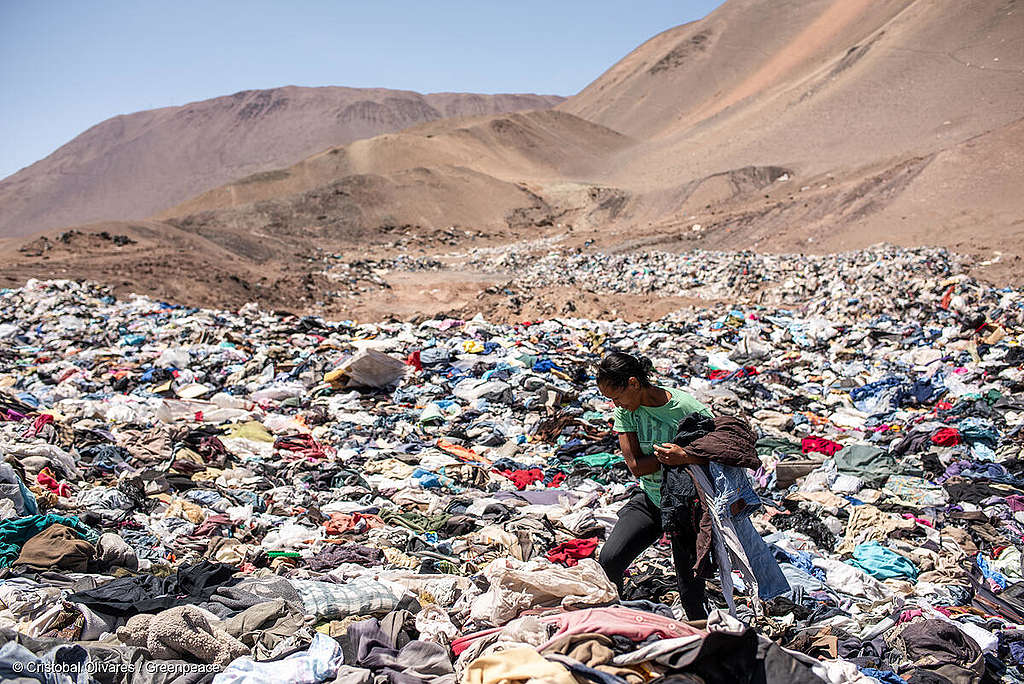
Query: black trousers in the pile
[639,526]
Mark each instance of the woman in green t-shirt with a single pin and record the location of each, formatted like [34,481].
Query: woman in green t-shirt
[646,418]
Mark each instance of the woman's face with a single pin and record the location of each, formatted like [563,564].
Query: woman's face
[627,397]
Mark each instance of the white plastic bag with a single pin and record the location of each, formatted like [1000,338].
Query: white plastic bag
[516,586]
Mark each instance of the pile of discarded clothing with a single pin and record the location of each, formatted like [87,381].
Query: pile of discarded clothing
[883,275]
[196,495]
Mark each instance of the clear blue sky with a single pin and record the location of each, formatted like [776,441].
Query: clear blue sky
[66,65]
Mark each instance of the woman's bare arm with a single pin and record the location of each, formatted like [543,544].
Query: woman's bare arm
[637,462]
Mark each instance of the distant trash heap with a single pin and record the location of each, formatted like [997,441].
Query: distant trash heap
[845,280]
[190,495]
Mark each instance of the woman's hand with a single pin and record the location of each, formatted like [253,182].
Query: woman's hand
[673,455]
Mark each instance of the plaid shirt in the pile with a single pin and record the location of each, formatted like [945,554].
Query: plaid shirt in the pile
[358,597]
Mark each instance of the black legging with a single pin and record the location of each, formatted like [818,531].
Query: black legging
[639,526]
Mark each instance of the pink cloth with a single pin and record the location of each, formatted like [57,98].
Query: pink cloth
[636,625]
[1015,502]
[45,477]
[922,521]
[908,615]
[820,445]
[38,425]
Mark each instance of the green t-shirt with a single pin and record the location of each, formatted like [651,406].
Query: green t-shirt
[655,425]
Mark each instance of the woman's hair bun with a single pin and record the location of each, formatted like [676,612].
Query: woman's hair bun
[617,368]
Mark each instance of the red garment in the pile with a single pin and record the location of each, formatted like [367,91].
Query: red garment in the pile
[556,479]
[569,553]
[744,372]
[523,478]
[414,360]
[820,445]
[46,478]
[947,298]
[38,425]
[946,437]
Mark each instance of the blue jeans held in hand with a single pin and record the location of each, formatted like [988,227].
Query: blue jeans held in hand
[731,485]
[771,581]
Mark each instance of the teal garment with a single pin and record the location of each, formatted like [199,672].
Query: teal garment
[976,430]
[16,531]
[601,459]
[882,563]
[657,425]
[992,396]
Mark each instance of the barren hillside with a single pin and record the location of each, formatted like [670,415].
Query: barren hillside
[131,166]
[860,105]
[814,126]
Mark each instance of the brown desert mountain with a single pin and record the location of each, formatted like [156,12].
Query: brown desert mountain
[901,118]
[132,166]
[818,125]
